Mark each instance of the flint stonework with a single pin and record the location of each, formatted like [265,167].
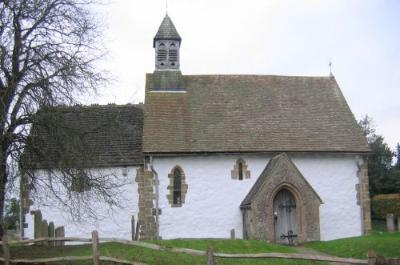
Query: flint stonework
[257,207]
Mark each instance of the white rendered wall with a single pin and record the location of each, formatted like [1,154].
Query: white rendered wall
[110,222]
[211,207]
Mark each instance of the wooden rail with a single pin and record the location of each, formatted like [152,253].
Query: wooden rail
[96,257]
[293,256]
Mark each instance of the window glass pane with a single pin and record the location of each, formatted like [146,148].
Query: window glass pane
[240,169]
[177,187]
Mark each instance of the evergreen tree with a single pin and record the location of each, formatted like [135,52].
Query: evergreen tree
[383,178]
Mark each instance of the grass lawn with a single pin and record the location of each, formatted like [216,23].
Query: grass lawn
[166,258]
[383,243]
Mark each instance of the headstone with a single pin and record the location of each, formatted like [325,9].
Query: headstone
[233,234]
[390,222]
[398,223]
[51,233]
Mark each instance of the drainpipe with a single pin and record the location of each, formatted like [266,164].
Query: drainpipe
[156,183]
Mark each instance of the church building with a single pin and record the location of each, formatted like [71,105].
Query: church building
[277,158]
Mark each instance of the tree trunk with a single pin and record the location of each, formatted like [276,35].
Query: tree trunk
[3,182]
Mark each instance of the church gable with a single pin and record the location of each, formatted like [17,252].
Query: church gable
[260,212]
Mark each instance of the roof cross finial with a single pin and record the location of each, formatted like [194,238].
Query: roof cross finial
[330,67]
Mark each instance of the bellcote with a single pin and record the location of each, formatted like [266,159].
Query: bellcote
[166,44]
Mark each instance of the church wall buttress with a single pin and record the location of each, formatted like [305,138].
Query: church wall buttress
[146,218]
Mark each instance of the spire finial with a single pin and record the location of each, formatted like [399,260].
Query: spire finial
[330,67]
[166,7]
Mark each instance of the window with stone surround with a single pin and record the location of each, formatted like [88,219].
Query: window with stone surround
[240,170]
[177,187]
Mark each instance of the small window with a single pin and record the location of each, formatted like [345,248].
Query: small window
[161,44]
[240,171]
[177,187]
[172,45]
[177,193]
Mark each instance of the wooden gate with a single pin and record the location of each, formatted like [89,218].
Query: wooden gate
[285,217]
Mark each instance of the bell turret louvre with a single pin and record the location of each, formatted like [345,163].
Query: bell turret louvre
[167,43]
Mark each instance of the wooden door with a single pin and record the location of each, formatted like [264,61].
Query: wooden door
[285,217]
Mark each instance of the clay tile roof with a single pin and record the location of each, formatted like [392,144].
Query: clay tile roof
[86,136]
[167,31]
[251,113]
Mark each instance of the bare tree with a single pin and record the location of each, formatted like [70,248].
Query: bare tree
[48,53]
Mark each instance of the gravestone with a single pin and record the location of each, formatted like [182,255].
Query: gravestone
[390,222]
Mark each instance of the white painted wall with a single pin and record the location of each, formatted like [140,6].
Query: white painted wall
[114,222]
[212,202]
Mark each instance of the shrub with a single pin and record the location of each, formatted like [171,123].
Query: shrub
[383,204]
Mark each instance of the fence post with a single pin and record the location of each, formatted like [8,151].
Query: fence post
[51,233]
[133,227]
[137,231]
[95,248]
[390,222]
[37,221]
[6,250]
[59,232]
[45,232]
[371,257]
[210,256]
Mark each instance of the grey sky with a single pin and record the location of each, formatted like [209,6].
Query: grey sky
[266,37]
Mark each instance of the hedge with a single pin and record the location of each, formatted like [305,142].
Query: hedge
[383,204]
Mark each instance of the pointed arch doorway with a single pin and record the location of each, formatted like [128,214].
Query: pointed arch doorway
[285,217]
[281,205]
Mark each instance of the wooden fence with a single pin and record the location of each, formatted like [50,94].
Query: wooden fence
[211,255]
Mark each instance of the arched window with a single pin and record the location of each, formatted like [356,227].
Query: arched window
[177,192]
[177,187]
[240,171]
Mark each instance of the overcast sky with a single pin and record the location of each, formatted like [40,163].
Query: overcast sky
[362,38]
